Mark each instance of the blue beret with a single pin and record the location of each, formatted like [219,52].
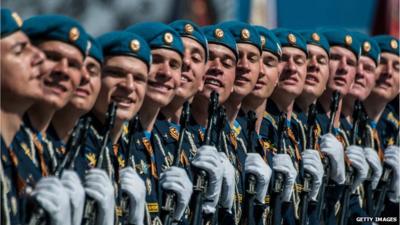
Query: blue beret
[343,38]
[95,50]
[269,41]
[289,38]
[243,33]
[57,27]
[217,35]
[388,43]
[187,28]
[125,43]
[158,35]
[10,22]
[369,47]
[314,37]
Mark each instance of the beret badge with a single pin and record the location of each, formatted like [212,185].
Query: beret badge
[17,19]
[291,38]
[73,34]
[393,44]
[189,28]
[366,46]
[135,45]
[245,34]
[348,40]
[315,37]
[218,33]
[263,40]
[168,38]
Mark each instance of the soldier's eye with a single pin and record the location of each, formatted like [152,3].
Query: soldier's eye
[299,60]
[322,60]
[270,62]
[52,56]
[369,68]
[93,70]
[197,58]
[175,65]
[396,66]
[254,58]
[19,48]
[228,62]
[335,57]
[351,62]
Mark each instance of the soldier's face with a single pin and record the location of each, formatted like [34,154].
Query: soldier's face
[22,69]
[193,69]
[247,69]
[342,69]
[294,68]
[268,76]
[66,63]
[317,71]
[365,78]
[387,84]
[164,77]
[86,94]
[124,81]
[220,74]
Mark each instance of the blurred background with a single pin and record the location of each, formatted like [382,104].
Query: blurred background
[100,16]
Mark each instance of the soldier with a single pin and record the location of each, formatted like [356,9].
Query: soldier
[361,88]
[163,81]
[247,72]
[314,86]
[288,160]
[344,53]
[193,68]
[386,127]
[64,120]
[21,61]
[219,77]
[123,81]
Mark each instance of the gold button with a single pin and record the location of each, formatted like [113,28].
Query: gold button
[17,19]
[263,41]
[316,37]
[366,46]
[394,44]
[348,40]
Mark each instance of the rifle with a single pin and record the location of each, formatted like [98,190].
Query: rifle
[279,179]
[325,160]
[200,176]
[349,170]
[90,212]
[74,145]
[251,181]
[168,208]
[130,162]
[311,123]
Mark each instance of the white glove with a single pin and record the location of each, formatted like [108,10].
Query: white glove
[313,165]
[359,163]
[375,165]
[228,183]
[334,149]
[208,159]
[76,192]
[133,186]
[256,165]
[393,160]
[99,187]
[52,196]
[175,179]
[283,163]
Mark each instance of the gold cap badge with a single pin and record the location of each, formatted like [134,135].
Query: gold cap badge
[348,40]
[263,41]
[189,28]
[168,38]
[135,45]
[17,19]
[366,46]
[394,44]
[74,34]
[245,34]
[291,39]
[315,37]
[218,33]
